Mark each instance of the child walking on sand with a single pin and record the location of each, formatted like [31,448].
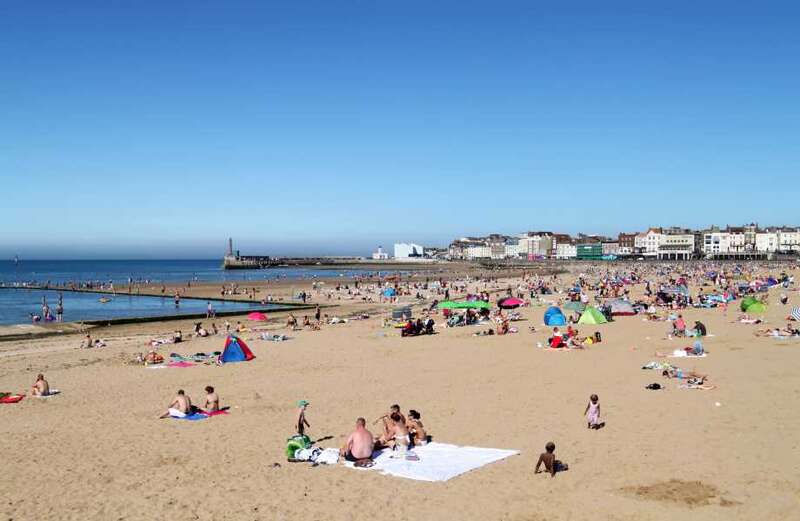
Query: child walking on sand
[592,412]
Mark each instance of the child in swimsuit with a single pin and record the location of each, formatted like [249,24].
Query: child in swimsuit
[592,412]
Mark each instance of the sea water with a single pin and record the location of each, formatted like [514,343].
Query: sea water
[16,305]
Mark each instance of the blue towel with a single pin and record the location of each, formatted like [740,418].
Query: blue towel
[192,417]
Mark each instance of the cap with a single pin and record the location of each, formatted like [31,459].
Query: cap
[303,403]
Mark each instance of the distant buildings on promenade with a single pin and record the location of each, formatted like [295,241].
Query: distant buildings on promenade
[733,242]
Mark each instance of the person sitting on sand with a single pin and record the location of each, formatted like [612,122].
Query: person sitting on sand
[199,330]
[548,458]
[212,400]
[40,387]
[387,424]
[359,444]
[306,321]
[416,429]
[177,337]
[400,437]
[679,327]
[291,322]
[503,329]
[180,407]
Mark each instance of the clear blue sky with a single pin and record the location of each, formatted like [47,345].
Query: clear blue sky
[158,129]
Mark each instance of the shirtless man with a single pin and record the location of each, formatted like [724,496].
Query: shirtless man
[180,407]
[212,400]
[387,424]
[41,387]
[359,444]
[548,458]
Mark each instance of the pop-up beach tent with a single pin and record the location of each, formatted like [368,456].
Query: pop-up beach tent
[592,315]
[235,351]
[554,317]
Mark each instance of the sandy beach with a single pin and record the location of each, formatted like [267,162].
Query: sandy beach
[98,451]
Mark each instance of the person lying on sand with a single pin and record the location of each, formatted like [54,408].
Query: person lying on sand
[40,387]
[747,319]
[359,444]
[180,407]
[212,400]
[548,458]
[776,332]
[677,372]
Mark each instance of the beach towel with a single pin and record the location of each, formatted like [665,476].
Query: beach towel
[156,366]
[180,364]
[437,461]
[680,353]
[12,398]
[191,417]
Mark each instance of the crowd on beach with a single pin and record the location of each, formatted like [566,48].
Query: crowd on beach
[668,291]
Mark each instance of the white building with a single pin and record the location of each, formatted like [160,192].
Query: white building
[404,250]
[380,254]
[535,244]
[716,242]
[566,250]
[788,239]
[512,249]
[474,251]
[766,242]
[676,244]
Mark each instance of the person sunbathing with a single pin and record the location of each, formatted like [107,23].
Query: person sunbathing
[677,372]
[747,319]
[359,445]
[776,332]
[40,387]
[180,407]
[416,429]
[212,400]
[153,358]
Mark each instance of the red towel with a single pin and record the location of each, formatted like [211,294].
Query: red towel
[14,398]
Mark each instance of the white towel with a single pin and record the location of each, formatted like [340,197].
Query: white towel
[437,461]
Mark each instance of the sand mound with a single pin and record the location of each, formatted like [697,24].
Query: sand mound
[690,493]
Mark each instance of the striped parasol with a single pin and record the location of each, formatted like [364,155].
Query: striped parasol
[796,313]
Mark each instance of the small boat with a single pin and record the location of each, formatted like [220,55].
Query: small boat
[104,300]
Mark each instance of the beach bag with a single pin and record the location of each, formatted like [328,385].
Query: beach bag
[296,443]
[654,387]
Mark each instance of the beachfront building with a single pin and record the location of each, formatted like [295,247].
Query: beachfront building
[610,248]
[497,246]
[478,250]
[767,241]
[716,242]
[535,245]
[512,248]
[646,243]
[788,240]
[626,243]
[676,244]
[589,251]
[380,254]
[566,248]
[568,244]
[403,250]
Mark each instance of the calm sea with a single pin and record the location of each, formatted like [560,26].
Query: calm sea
[16,305]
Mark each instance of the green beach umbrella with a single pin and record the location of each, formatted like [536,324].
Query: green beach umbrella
[464,304]
[756,307]
[747,302]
